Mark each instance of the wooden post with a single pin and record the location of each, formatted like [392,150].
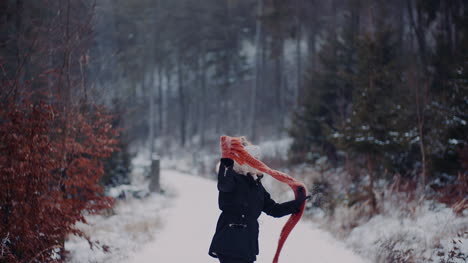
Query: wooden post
[154,174]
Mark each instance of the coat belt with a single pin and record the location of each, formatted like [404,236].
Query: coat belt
[240,215]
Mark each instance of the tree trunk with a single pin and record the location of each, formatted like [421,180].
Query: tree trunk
[160,101]
[149,84]
[151,115]
[421,97]
[370,169]
[418,30]
[257,67]
[167,111]
[19,56]
[370,163]
[204,99]
[182,105]
[279,84]
[298,54]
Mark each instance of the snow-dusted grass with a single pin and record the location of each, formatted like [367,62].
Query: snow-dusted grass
[406,229]
[129,224]
[426,234]
[132,222]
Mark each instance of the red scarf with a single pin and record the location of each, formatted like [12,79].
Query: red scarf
[231,147]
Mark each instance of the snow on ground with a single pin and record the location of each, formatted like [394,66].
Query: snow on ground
[133,222]
[189,224]
[427,236]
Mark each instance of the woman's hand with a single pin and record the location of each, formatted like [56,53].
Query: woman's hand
[227,162]
[298,202]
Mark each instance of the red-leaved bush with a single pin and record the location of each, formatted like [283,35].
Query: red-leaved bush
[50,169]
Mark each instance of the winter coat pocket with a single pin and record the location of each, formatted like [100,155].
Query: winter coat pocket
[234,240]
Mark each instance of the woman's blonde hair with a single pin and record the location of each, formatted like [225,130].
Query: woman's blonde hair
[245,142]
[255,151]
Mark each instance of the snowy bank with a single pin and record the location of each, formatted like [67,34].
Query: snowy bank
[132,223]
[134,220]
[428,235]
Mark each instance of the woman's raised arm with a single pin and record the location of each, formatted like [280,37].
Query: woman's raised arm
[226,182]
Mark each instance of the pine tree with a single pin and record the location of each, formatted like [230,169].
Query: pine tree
[327,100]
[374,112]
[449,103]
[369,132]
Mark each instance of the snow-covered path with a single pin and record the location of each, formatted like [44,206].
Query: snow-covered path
[189,225]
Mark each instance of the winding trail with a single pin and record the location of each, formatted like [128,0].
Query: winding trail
[190,223]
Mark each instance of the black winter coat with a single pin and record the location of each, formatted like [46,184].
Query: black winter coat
[241,200]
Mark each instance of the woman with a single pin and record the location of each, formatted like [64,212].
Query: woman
[241,199]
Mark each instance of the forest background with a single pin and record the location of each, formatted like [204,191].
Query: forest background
[376,89]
